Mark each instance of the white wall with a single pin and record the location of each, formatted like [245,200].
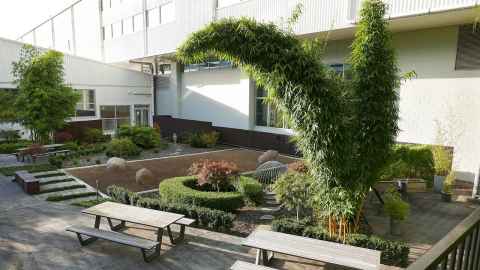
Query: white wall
[439,99]
[112,85]
[220,96]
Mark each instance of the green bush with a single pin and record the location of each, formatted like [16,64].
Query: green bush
[181,190]
[410,161]
[10,136]
[144,137]
[122,195]
[10,148]
[56,161]
[122,148]
[203,139]
[442,160]
[292,190]
[251,190]
[393,252]
[394,206]
[72,146]
[205,217]
[10,171]
[94,135]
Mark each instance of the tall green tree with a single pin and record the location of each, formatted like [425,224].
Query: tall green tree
[345,129]
[44,102]
[7,108]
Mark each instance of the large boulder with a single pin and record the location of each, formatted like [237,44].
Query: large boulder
[267,156]
[116,164]
[143,175]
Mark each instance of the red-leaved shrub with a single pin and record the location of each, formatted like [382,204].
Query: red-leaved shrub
[63,136]
[298,166]
[215,173]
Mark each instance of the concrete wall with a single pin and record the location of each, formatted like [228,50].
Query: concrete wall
[441,100]
[112,85]
[220,96]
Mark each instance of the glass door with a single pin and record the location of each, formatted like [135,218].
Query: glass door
[142,113]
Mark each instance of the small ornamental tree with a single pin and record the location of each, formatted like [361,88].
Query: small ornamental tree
[44,102]
[345,129]
[292,190]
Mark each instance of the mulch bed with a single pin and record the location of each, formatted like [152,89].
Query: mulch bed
[164,168]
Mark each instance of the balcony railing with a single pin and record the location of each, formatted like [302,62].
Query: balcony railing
[459,250]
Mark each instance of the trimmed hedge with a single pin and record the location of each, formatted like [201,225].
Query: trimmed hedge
[179,189]
[393,252]
[11,147]
[10,171]
[205,217]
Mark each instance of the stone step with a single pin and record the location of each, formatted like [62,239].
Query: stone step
[37,174]
[53,178]
[64,192]
[88,198]
[58,185]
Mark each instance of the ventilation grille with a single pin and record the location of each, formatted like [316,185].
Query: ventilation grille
[468,48]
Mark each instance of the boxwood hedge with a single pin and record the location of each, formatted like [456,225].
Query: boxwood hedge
[179,189]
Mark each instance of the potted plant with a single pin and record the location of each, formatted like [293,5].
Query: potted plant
[447,187]
[397,209]
[443,164]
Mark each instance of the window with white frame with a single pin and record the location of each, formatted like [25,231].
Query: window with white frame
[153,17]
[114,116]
[167,13]
[128,26]
[86,105]
[266,115]
[138,22]
[343,70]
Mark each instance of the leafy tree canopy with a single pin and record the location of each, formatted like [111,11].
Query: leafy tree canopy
[345,129]
[44,101]
[7,111]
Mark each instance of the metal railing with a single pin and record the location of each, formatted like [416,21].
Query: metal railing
[459,250]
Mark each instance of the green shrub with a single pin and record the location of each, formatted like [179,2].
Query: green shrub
[72,146]
[251,190]
[10,136]
[392,252]
[122,195]
[205,217]
[180,189]
[410,161]
[203,139]
[442,160]
[394,206]
[11,147]
[292,190]
[10,171]
[144,137]
[94,135]
[122,148]
[56,161]
[449,182]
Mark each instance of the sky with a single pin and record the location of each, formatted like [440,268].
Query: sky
[20,16]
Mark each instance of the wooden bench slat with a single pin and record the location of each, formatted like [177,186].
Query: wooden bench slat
[185,221]
[308,248]
[114,237]
[240,265]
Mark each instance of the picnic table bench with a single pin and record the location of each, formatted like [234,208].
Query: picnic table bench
[51,153]
[240,265]
[51,148]
[313,249]
[132,214]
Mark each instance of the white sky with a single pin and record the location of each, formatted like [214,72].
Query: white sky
[19,16]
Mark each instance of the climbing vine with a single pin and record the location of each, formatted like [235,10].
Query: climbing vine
[345,129]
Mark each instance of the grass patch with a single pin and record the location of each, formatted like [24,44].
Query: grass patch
[56,181]
[91,203]
[59,198]
[10,171]
[50,190]
[50,175]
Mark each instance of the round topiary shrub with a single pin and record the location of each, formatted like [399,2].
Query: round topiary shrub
[185,190]
[122,148]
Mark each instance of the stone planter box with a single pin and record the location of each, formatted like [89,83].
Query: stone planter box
[28,182]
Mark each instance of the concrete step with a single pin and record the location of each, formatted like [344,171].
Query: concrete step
[88,198]
[37,174]
[58,185]
[64,192]
[53,178]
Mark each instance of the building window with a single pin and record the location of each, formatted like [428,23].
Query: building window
[167,13]
[153,17]
[208,65]
[226,3]
[86,106]
[114,116]
[343,70]
[468,48]
[266,115]
[138,22]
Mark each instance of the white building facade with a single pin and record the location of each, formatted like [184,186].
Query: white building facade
[433,38]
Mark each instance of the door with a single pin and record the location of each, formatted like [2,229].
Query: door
[142,113]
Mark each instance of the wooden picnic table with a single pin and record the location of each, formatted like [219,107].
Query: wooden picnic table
[132,214]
